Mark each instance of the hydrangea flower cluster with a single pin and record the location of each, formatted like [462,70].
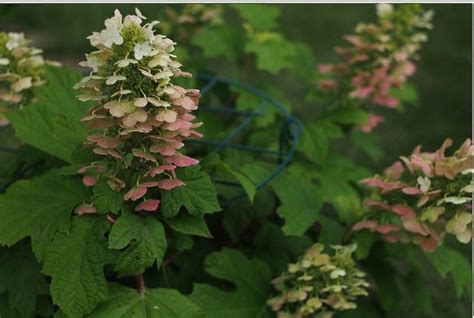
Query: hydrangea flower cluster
[319,284]
[21,69]
[191,19]
[140,118]
[381,56]
[423,197]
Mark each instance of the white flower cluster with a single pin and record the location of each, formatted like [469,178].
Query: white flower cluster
[140,118]
[21,69]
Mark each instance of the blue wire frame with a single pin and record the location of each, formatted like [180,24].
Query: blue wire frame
[290,131]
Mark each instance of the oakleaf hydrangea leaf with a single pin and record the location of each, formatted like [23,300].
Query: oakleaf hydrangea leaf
[251,278]
[219,41]
[299,209]
[245,181]
[52,124]
[189,224]
[125,302]
[148,243]
[347,116]
[38,208]
[21,278]
[447,260]
[274,53]
[127,228]
[198,196]
[316,138]
[261,17]
[105,199]
[75,262]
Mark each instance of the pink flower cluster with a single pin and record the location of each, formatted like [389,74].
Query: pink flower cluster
[140,119]
[423,197]
[381,56]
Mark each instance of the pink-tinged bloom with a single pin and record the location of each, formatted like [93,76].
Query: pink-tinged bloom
[387,228]
[140,118]
[372,123]
[382,185]
[391,238]
[89,181]
[354,40]
[182,161]
[169,184]
[411,190]
[148,206]
[378,204]
[394,172]
[104,142]
[421,196]
[374,61]
[386,101]
[362,92]
[418,162]
[429,244]
[85,208]
[141,154]
[405,212]
[325,68]
[135,193]
[415,226]
[369,225]
[440,152]
[160,169]
[139,191]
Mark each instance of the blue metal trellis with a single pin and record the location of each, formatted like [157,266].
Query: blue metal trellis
[290,130]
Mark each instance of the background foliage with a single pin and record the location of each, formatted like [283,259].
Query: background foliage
[296,38]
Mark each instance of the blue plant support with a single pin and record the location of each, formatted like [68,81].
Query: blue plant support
[290,130]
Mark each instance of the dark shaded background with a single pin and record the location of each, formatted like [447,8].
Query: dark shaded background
[443,78]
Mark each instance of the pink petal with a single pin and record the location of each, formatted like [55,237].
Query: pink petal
[158,170]
[169,184]
[85,209]
[374,203]
[89,181]
[415,226]
[417,161]
[372,123]
[394,171]
[370,225]
[150,184]
[185,102]
[135,193]
[325,68]
[387,228]
[149,206]
[362,92]
[391,238]
[390,102]
[138,193]
[404,211]
[429,244]
[182,161]
[411,191]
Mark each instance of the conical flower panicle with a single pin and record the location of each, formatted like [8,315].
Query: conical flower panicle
[21,69]
[319,284]
[423,197]
[140,118]
[381,56]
